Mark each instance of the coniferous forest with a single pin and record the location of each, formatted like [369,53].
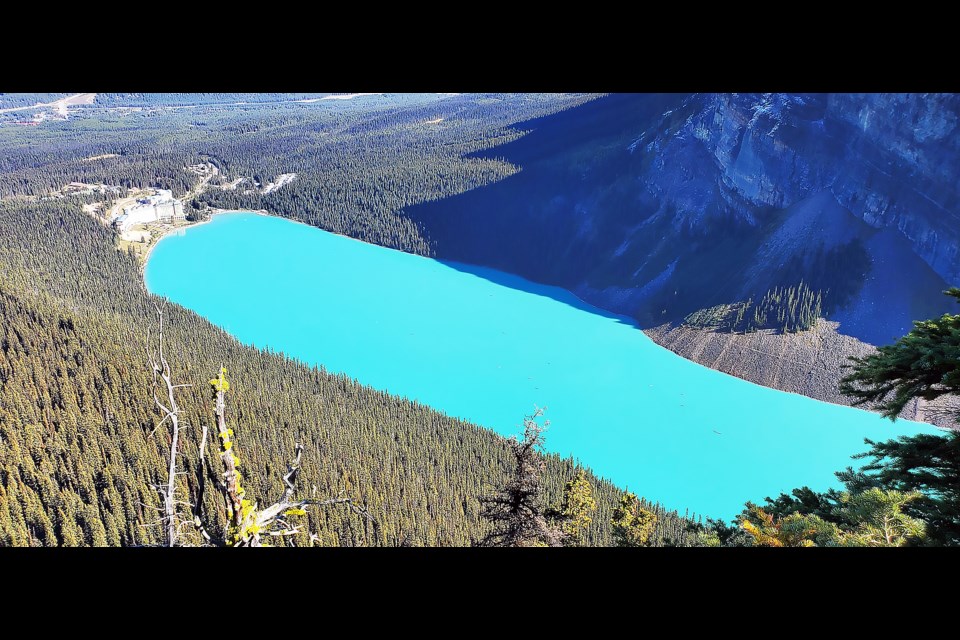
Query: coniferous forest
[80,458]
[81,453]
[77,464]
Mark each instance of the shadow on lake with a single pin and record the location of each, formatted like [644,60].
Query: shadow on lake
[520,283]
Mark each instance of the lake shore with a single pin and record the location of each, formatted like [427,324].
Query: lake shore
[808,363]
[159,233]
[486,346]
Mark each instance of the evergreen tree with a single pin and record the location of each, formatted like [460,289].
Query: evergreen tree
[923,364]
[794,530]
[728,535]
[878,519]
[574,512]
[788,310]
[632,524]
[925,463]
[805,500]
[515,512]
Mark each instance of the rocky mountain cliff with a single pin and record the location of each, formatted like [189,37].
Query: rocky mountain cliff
[659,205]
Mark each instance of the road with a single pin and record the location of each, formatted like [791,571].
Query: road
[200,186]
[119,205]
[60,105]
[132,199]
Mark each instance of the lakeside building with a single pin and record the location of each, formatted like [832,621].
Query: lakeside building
[159,207]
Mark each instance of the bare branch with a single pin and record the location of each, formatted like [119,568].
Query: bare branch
[290,478]
[158,425]
[171,412]
[271,515]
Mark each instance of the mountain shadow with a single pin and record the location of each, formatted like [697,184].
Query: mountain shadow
[657,206]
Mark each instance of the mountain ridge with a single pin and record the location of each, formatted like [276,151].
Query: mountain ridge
[615,215]
[657,206]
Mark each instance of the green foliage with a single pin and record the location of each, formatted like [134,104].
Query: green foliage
[805,500]
[877,519]
[220,383]
[794,530]
[787,309]
[576,508]
[925,363]
[632,524]
[871,518]
[707,538]
[924,463]
[728,535]
[76,462]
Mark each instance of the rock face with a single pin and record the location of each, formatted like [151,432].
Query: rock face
[916,138]
[659,205]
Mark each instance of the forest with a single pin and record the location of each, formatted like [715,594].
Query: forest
[80,451]
[79,462]
[14,100]
[357,167]
[784,309]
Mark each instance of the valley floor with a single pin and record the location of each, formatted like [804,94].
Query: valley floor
[809,363]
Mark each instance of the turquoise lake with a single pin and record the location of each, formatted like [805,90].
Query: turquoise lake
[487,346]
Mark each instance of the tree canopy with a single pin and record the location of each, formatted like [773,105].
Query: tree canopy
[909,490]
[923,364]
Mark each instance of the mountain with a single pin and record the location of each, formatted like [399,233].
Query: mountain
[658,206]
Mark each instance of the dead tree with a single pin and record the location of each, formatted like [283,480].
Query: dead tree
[247,525]
[517,516]
[171,411]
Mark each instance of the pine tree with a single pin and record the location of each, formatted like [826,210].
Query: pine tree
[632,524]
[794,530]
[879,521]
[923,364]
[575,509]
[925,463]
[515,512]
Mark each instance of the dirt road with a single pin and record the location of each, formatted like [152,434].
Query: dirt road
[60,105]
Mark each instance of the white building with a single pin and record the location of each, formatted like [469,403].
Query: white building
[171,211]
[159,207]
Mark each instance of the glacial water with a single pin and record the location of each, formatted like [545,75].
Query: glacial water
[487,346]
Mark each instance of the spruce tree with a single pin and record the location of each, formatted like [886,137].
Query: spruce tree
[923,364]
[515,512]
